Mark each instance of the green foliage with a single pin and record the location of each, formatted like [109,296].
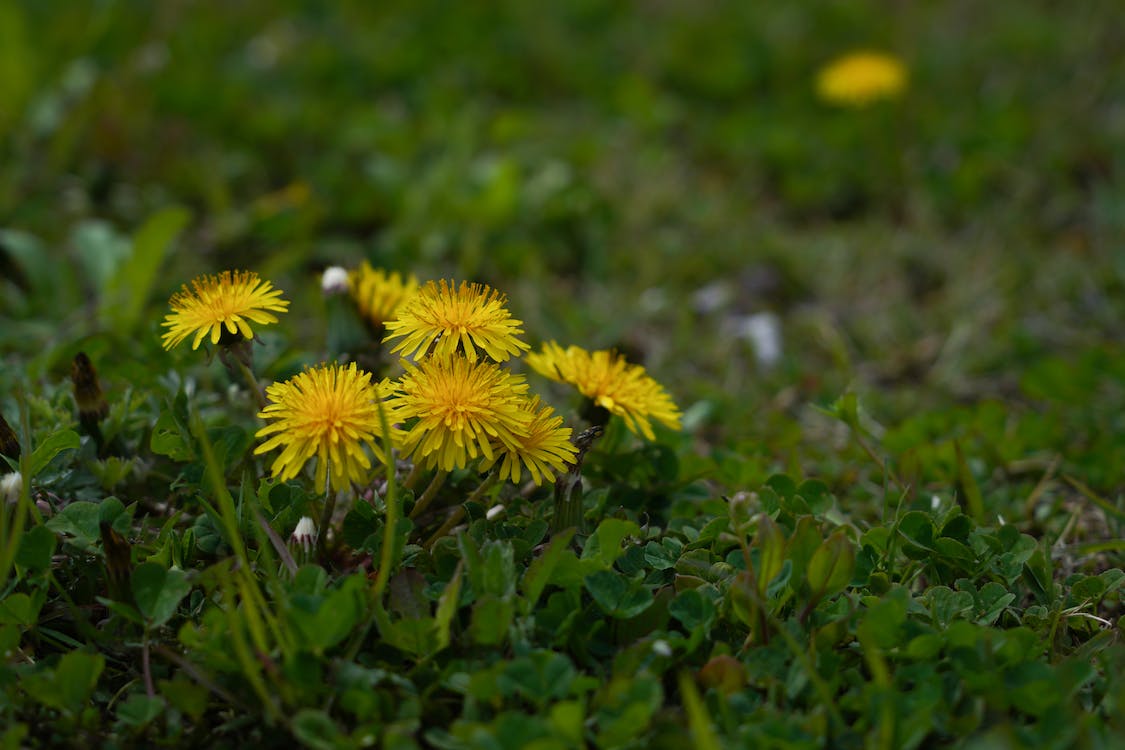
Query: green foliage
[907,531]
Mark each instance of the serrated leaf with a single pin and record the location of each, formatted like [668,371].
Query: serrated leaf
[52,446]
[491,617]
[447,610]
[498,571]
[542,567]
[169,439]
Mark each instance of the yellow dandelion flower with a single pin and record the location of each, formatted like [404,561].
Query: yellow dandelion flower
[328,412]
[860,78]
[462,407]
[609,381]
[466,318]
[545,451]
[222,305]
[378,294]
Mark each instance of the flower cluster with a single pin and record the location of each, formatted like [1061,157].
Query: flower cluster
[459,402]
[456,402]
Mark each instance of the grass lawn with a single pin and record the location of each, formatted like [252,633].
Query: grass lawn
[868,489]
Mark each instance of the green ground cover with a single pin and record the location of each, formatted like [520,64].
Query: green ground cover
[907,531]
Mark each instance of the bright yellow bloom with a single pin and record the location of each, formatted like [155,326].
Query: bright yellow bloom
[329,412]
[228,301]
[378,294]
[609,381]
[545,451]
[461,407]
[462,318]
[860,78]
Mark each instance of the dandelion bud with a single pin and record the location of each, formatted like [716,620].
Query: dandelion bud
[9,443]
[10,486]
[87,390]
[118,561]
[334,280]
[304,536]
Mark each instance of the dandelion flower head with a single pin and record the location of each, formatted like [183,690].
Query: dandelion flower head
[545,451]
[378,294]
[607,379]
[462,407]
[330,413]
[469,317]
[221,305]
[860,78]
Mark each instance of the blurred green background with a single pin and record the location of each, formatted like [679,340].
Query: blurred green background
[648,175]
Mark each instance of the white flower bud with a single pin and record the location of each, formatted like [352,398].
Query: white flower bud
[10,486]
[334,280]
[304,536]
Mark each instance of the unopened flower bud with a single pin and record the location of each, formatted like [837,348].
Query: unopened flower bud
[10,486]
[304,536]
[9,443]
[87,390]
[334,280]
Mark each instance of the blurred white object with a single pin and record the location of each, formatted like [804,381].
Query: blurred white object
[763,331]
[10,486]
[334,280]
[713,297]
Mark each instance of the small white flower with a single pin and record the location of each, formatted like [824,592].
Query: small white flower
[661,648]
[334,280]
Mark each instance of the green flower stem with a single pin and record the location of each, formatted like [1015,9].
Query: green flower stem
[431,491]
[568,502]
[325,520]
[391,511]
[252,383]
[387,556]
[412,478]
[250,666]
